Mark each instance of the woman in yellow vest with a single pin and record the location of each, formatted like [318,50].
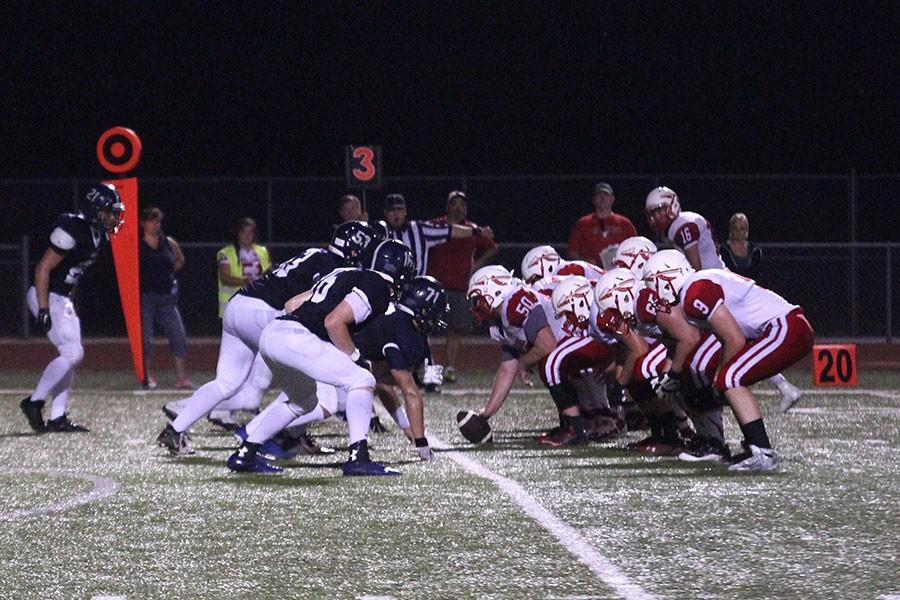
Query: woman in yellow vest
[240,262]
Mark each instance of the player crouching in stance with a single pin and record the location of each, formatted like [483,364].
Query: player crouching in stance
[241,375]
[761,334]
[75,242]
[397,344]
[314,344]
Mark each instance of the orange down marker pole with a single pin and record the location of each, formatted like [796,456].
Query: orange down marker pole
[119,151]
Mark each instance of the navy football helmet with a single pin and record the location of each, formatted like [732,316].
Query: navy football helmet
[350,241]
[394,259]
[102,198]
[426,300]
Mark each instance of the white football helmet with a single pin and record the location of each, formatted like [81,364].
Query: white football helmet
[665,274]
[634,253]
[488,287]
[540,262]
[617,289]
[662,197]
[572,301]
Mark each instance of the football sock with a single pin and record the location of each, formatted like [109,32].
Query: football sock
[777,379]
[271,421]
[755,433]
[400,418]
[313,416]
[198,406]
[359,413]
[53,374]
[248,398]
[58,408]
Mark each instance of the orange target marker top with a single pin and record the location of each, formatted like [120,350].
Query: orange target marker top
[119,150]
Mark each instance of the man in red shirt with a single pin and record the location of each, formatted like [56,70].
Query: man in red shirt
[596,236]
[452,263]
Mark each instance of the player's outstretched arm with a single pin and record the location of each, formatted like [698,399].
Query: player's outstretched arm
[503,382]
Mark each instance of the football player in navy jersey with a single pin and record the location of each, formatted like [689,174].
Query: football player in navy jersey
[314,344]
[397,345]
[75,241]
[247,313]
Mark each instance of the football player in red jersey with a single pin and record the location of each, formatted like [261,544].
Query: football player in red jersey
[761,334]
[525,325]
[693,235]
[619,300]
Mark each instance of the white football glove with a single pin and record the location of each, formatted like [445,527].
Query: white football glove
[667,386]
[434,375]
[425,453]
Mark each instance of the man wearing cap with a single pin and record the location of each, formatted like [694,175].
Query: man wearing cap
[421,236]
[596,236]
[452,264]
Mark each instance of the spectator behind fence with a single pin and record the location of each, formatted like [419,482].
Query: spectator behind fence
[452,263]
[240,262]
[350,209]
[740,254]
[160,259]
[596,236]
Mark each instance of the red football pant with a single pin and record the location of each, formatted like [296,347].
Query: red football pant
[785,340]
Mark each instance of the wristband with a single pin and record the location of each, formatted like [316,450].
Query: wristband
[421,442]
[354,356]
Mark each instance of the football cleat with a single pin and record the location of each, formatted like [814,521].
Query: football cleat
[32,411]
[241,434]
[176,443]
[245,461]
[566,436]
[790,395]
[173,408]
[307,445]
[657,446]
[376,426]
[449,375]
[366,467]
[64,425]
[273,449]
[223,419]
[708,450]
[760,459]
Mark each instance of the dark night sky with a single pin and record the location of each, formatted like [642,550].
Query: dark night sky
[264,88]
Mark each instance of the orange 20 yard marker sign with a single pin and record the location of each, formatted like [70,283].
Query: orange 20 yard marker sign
[119,151]
[834,365]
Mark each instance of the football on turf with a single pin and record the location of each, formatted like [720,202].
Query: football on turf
[474,427]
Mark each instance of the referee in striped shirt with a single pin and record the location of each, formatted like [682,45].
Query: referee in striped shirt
[421,236]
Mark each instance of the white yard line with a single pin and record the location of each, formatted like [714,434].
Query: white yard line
[103,488]
[566,534]
[453,391]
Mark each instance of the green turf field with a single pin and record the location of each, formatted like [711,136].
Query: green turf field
[111,514]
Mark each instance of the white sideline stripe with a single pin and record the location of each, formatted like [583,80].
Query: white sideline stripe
[103,488]
[375,598]
[566,534]
[107,597]
[889,597]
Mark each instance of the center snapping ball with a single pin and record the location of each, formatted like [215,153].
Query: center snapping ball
[474,427]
